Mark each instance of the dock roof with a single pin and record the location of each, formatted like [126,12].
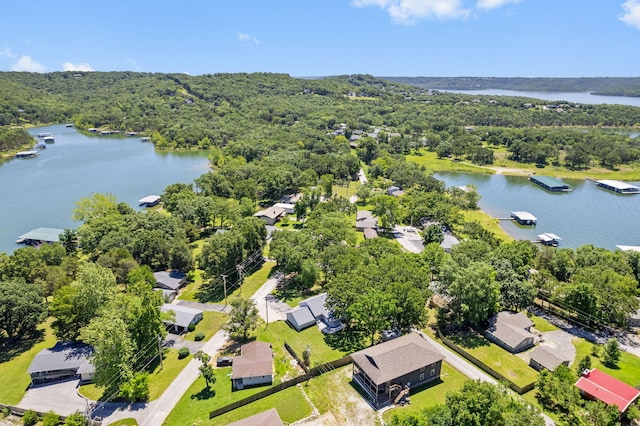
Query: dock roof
[549,181]
[629,248]
[149,199]
[49,235]
[548,236]
[524,216]
[617,184]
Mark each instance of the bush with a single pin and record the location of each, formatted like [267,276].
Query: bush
[76,419]
[137,389]
[191,327]
[199,336]
[51,419]
[4,412]
[30,418]
[183,353]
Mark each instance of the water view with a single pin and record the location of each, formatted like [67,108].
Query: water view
[575,97]
[42,191]
[588,215]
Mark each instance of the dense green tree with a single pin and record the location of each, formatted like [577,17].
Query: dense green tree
[474,293]
[372,312]
[611,353]
[22,308]
[243,319]
[433,234]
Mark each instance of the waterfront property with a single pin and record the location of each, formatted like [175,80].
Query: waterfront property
[64,360]
[254,366]
[550,184]
[387,371]
[618,186]
[184,317]
[511,330]
[40,236]
[48,139]
[27,154]
[595,384]
[149,201]
[549,239]
[524,218]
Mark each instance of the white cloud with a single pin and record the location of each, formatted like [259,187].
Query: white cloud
[631,13]
[492,4]
[246,37]
[68,66]
[410,11]
[25,63]
[7,52]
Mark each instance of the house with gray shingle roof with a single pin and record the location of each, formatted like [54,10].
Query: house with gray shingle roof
[545,357]
[384,371]
[265,418]
[254,366]
[511,330]
[62,361]
[184,317]
[365,219]
[170,280]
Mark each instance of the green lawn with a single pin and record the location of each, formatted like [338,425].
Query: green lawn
[210,324]
[451,380]
[487,222]
[190,291]
[542,325]
[628,369]
[254,281]
[505,363]
[346,192]
[431,161]
[15,360]
[125,422]
[279,332]
[290,404]
[159,378]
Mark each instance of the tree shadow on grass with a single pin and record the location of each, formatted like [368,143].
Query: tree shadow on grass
[11,348]
[347,341]
[469,339]
[204,394]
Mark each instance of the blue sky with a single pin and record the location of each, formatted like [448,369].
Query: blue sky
[503,38]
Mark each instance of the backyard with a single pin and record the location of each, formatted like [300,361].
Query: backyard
[209,325]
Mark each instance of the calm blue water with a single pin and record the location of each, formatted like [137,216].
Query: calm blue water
[575,97]
[588,215]
[42,191]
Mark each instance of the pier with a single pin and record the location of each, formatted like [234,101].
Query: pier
[617,186]
[550,184]
[40,236]
[524,218]
[549,239]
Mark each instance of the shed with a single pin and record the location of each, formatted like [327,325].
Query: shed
[545,357]
[170,280]
[595,384]
[184,317]
[62,361]
[254,366]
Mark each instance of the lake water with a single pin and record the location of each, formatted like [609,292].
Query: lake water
[588,215]
[42,191]
[575,97]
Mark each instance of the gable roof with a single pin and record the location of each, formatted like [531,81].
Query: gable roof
[510,327]
[170,279]
[256,359]
[366,219]
[316,305]
[302,315]
[184,314]
[273,212]
[607,389]
[546,357]
[266,418]
[395,358]
[62,356]
[518,319]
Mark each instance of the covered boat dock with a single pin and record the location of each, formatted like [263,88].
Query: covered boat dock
[524,218]
[549,239]
[618,186]
[550,184]
[149,200]
[40,236]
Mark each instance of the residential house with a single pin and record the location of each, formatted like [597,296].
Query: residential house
[387,371]
[595,384]
[271,215]
[365,219]
[395,191]
[184,317]
[265,418]
[511,330]
[168,296]
[170,280]
[369,233]
[254,366]
[64,360]
[448,242]
[314,311]
[287,207]
[545,357]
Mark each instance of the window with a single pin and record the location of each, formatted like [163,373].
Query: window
[433,372]
[422,377]
[422,369]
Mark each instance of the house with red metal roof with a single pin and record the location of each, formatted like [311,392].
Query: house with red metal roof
[594,384]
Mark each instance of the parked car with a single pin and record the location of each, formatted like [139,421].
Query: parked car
[224,361]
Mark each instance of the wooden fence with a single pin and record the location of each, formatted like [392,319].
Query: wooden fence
[475,361]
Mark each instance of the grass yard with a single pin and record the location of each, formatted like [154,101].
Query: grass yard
[194,406]
[542,325]
[254,281]
[346,191]
[431,161]
[210,324]
[505,363]
[451,380]
[125,422]
[290,404]
[627,370]
[15,360]
[487,222]
[190,291]
[159,378]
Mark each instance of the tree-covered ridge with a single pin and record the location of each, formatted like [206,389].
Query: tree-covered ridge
[616,86]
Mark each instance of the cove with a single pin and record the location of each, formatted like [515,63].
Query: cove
[42,191]
[587,215]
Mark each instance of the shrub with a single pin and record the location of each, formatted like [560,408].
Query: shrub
[4,412]
[136,389]
[76,419]
[30,418]
[199,336]
[191,327]
[51,419]
[183,353]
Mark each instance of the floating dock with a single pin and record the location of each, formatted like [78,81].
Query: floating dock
[149,200]
[27,154]
[618,186]
[550,184]
[524,218]
[549,239]
[629,248]
[40,236]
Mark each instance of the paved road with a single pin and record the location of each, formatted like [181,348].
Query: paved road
[408,238]
[208,307]
[270,308]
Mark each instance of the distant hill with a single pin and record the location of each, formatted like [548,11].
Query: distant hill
[613,86]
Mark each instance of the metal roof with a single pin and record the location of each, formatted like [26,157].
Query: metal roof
[524,216]
[549,181]
[607,389]
[50,235]
[184,314]
[617,184]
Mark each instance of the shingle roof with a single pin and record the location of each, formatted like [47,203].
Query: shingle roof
[170,279]
[365,219]
[266,418]
[256,359]
[395,358]
[302,315]
[272,212]
[546,357]
[63,356]
[509,327]
[184,314]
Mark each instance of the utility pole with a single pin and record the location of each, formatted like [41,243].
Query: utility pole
[160,350]
[240,268]
[224,282]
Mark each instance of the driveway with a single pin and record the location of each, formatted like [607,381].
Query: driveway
[269,307]
[61,397]
[561,342]
[408,238]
